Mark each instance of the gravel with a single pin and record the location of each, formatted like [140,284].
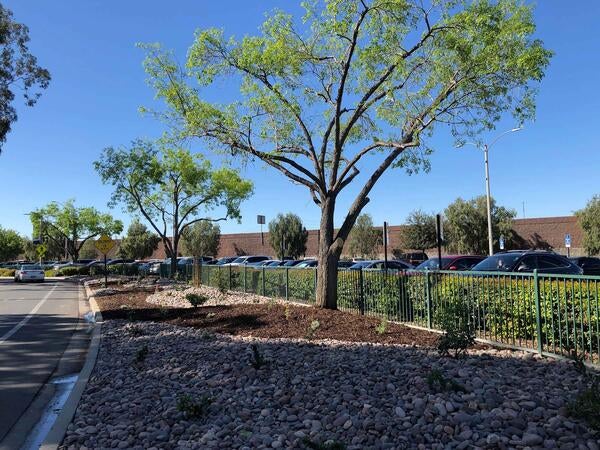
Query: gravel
[365,396]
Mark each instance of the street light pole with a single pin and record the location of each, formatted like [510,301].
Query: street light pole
[489,200]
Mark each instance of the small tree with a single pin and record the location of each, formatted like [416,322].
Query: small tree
[287,236]
[70,226]
[364,238]
[11,244]
[88,250]
[139,243]
[170,188]
[419,232]
[589,221]
[202,239]
[466,229]
[20,71]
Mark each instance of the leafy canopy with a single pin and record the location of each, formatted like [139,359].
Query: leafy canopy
[20,71]
[288,236]
[589,220]
[73,224]
[364,238]
[139,243]
[465,225]
[11,244]
[202,239]
[419,232]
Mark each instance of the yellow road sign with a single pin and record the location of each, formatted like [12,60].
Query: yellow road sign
[104,244]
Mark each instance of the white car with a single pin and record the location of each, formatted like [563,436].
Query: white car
[29,272]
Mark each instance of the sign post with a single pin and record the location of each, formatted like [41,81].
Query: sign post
[568,244]
[385,244]
[440,235]
[261,221]
[104,244]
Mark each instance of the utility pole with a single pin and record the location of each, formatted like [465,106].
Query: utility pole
[489,201]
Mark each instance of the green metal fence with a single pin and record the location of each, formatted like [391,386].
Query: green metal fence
[551,314]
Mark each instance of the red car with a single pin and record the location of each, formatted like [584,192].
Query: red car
[451,262]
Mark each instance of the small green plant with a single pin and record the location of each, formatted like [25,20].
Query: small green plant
[438,382]
[456,321]
[222,282]
[196,299]
[382,327]
[140,355]
[193,408]
[578,361]
[287,312]
[327,445]
[270,303]
[587,406]
[136,330]
[312,329]
[257,360]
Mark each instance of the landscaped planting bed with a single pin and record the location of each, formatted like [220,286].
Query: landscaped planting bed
[253,375]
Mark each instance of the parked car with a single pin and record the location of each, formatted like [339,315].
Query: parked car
[307,263]
[222,261]
[451,262]
[292,262]
[244,260]
[590,266]
[379,264]
[414,258]
[345,264]
[528,260]
[29,272]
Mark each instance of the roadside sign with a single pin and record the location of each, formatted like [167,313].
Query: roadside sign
[260,219]
[568,240]
[104,244]
[501,242]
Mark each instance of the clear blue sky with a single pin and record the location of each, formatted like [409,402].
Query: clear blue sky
[98,85]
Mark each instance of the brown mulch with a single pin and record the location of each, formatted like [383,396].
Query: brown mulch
[266,321]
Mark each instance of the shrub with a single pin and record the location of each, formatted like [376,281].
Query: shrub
[438,382]
[459,332]
[257,360]
[196,299]
[7,272]
[193,409]
[68,271]
[312,329]
[587,406]
[222,281]
[141,354]
[382,327]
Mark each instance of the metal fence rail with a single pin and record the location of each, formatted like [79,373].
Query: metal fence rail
[552,314]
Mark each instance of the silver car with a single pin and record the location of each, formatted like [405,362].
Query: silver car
[29,272]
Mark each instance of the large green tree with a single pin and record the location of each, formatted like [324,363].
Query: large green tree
[139,243]
[11,244]
[202,239]
[72,226]
[170,188]
[419,232]
[589,220]
[465,225]
[288,236]
[353,81]
[364,238]
[19,71]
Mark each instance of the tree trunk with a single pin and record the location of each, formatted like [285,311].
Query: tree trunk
[328,257]
[174,265]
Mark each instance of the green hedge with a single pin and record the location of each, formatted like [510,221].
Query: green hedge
[7,272]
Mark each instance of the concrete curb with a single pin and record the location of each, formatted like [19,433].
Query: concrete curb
[59,429]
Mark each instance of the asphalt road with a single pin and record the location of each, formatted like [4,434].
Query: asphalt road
[36,325]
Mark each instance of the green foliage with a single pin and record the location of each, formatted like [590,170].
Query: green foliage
[196,299]
[382,327]
[589,220]
[67,271]
[437,382]
[20,71]
[139,243]
[154,182]
[75,225]
[202,239]
[587,406]
[328,445]
[456,321]
[194,408]
[466,229]
[11,243]
[288,236]
[141,354]
[7,272]
[88,250]
[364,238]
[419,232]
[221,279]
[256,360]
[312,329]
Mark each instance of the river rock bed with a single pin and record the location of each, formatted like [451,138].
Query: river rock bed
[364,396]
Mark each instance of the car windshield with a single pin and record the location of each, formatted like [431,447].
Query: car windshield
[433,263]
[31,267]
[501,261]
[239,260]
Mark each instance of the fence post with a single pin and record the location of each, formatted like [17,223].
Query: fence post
[263,281]
[287,283]
[428,297]
[244,278]
[361,293]
[229,277]
[538,311]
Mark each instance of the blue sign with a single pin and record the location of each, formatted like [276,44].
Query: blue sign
[567,240]
[501,242]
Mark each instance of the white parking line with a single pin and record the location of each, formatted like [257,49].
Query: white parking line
[26,318]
